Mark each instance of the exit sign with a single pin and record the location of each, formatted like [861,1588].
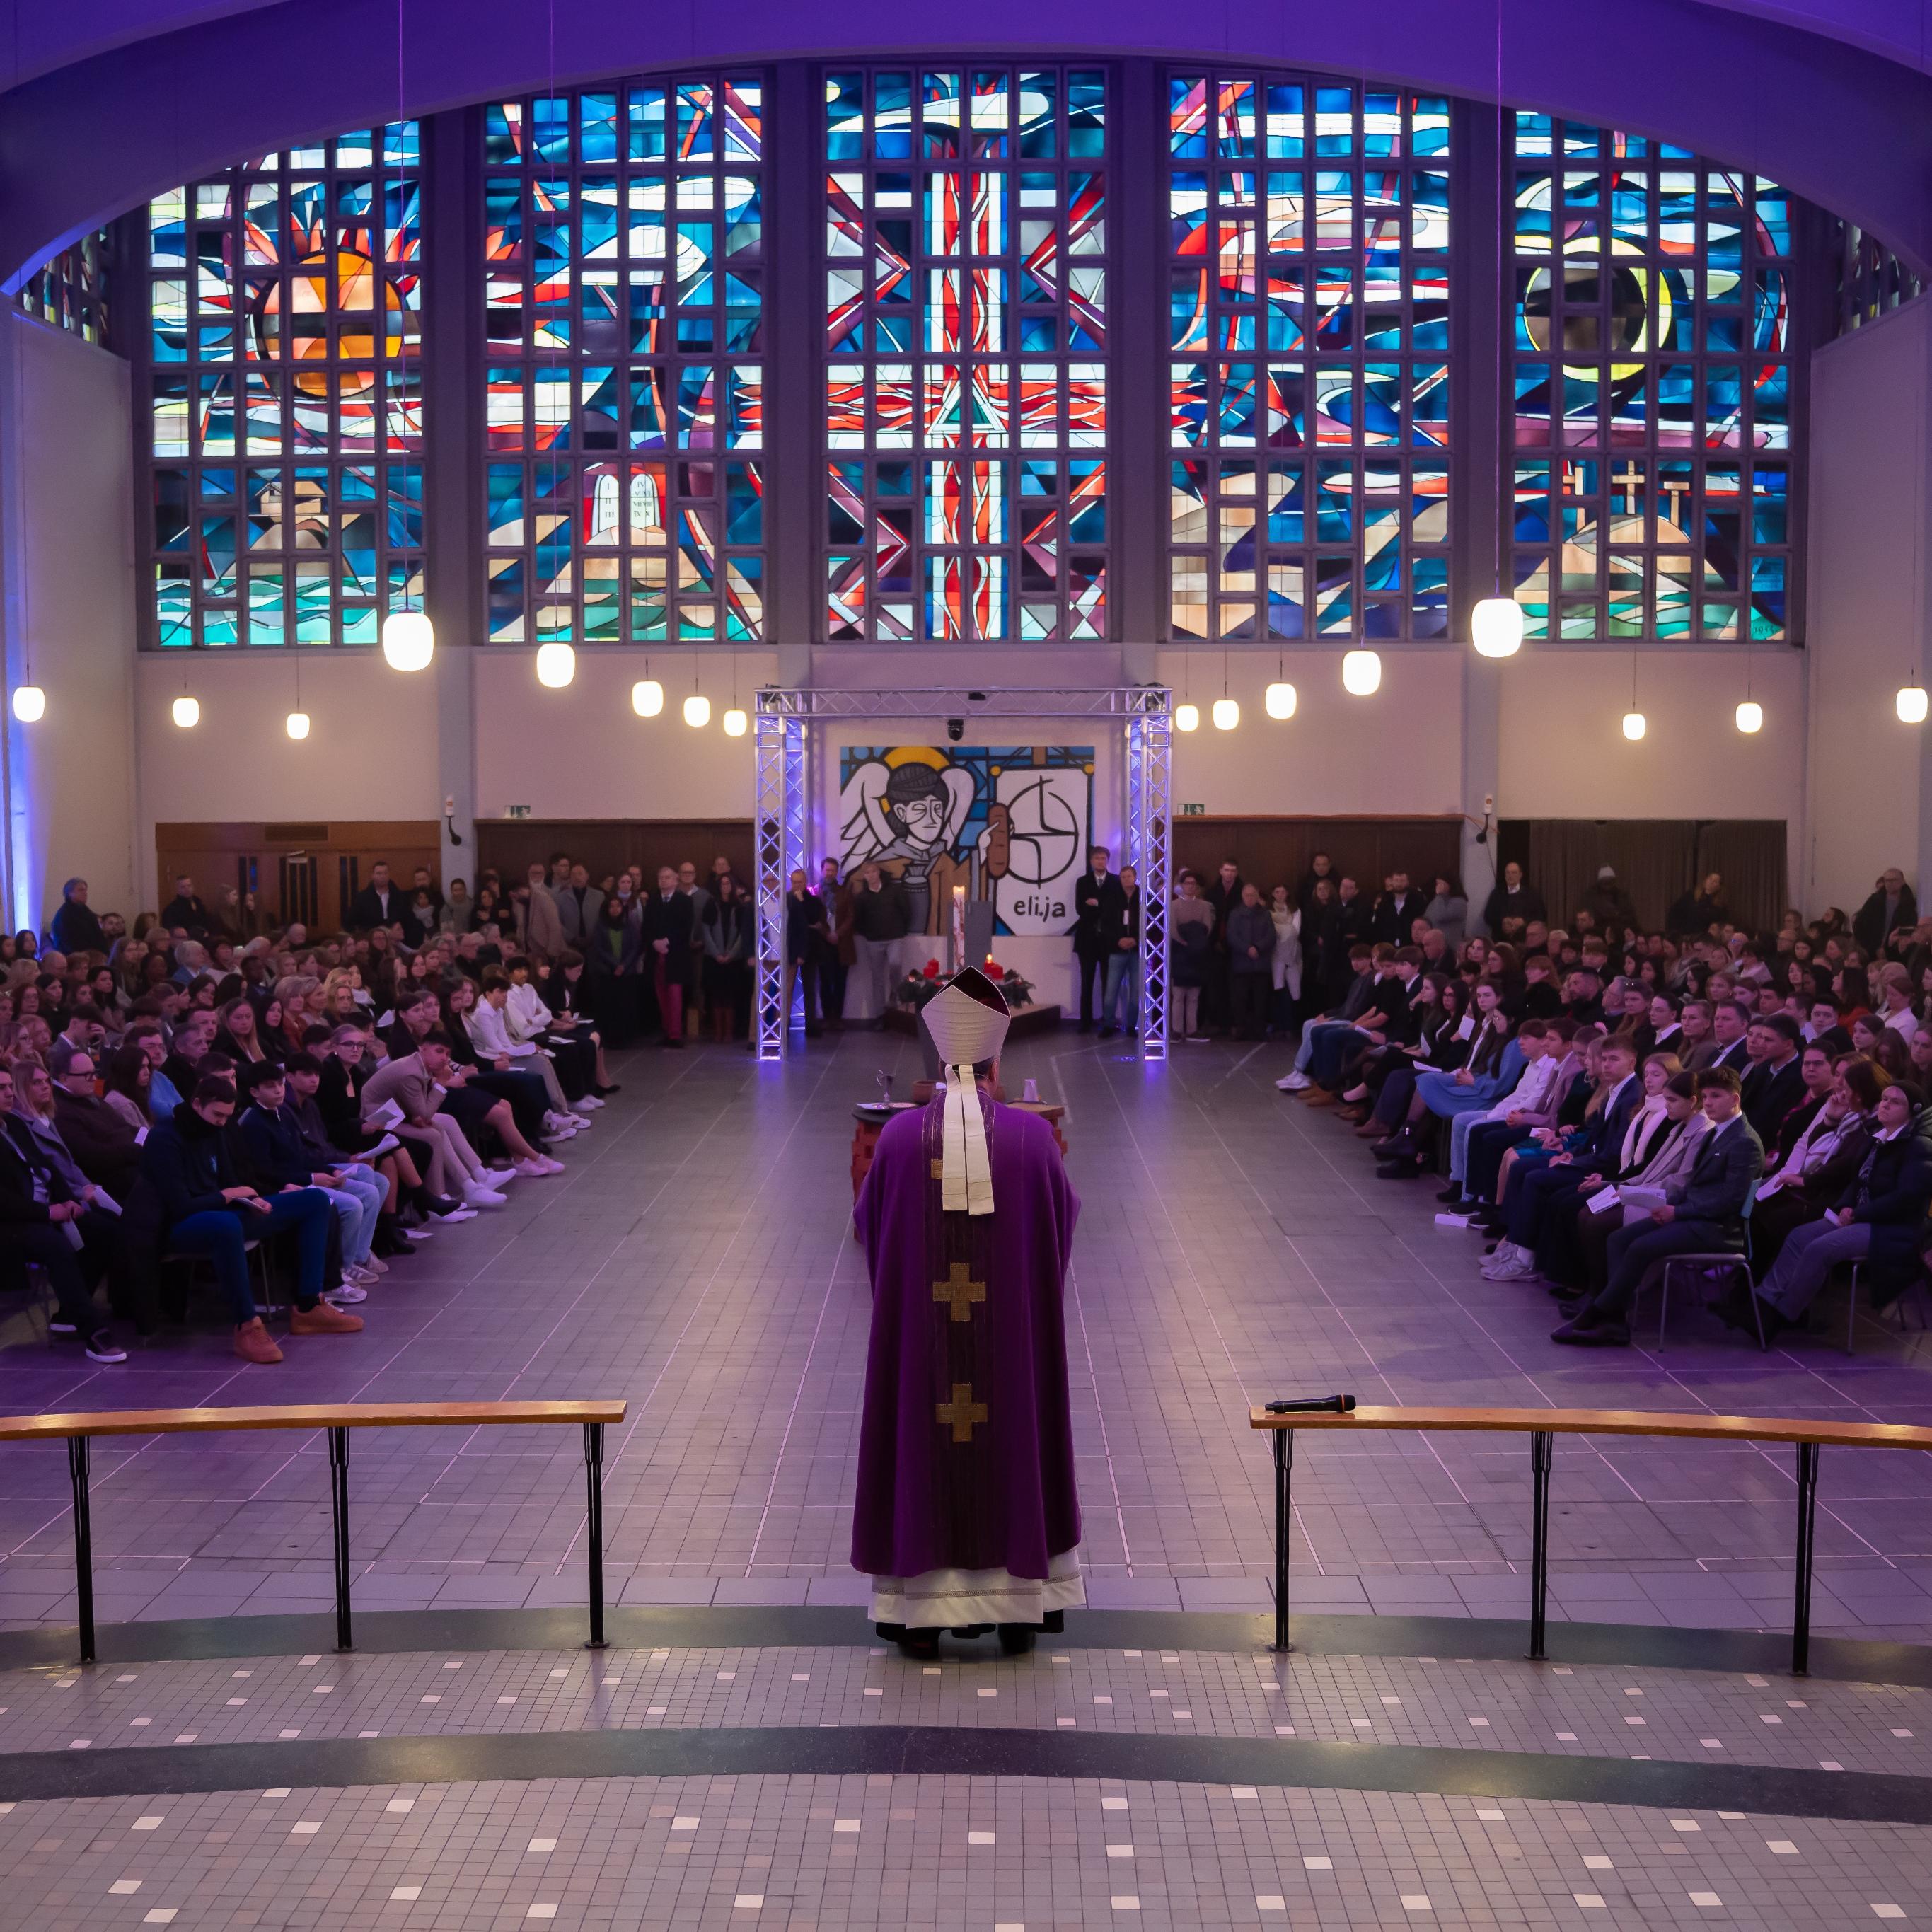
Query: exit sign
[1193,811]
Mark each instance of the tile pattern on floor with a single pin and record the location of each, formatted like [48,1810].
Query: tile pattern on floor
[1686,1716]
[879,1853]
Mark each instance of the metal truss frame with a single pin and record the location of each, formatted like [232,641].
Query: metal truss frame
[783,744]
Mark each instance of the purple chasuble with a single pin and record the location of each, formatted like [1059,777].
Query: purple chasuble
[966,1449]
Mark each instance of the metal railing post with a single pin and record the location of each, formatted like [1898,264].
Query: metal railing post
[338,1503]
[1542,1454]
[593,1484]
[1284,1469]
[1807,1519]
[83,1545]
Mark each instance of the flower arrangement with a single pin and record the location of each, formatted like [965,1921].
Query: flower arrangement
[1014,988]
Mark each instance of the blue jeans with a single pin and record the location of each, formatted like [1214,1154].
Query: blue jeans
[220,1234]
[358,1202]
[1123,991]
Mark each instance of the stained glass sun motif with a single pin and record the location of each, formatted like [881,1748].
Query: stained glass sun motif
[285,421]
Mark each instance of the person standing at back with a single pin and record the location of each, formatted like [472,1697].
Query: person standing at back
[667,931]
[1224,895]
[881,917]
[1096,912]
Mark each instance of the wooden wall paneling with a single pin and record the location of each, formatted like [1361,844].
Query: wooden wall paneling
[296,871]
[1276,851]
[510,846]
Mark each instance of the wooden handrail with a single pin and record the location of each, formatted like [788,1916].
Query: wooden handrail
[335,1421]
[307,1415]
[1543,1426]
[1609,1422]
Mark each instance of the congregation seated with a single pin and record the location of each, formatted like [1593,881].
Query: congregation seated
[1600,1098]
[224,1080]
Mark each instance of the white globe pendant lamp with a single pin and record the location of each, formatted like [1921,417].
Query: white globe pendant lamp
[408,640]
[1227,714]
[1187,717]
[1495,627]
[1635,725]
[1911,704]
[1361,673]
[556,665]
[30,703]
[647,697]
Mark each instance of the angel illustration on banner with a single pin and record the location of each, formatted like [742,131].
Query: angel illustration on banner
[1007,822]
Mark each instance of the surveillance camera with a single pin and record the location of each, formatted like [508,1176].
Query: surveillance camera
[955,729]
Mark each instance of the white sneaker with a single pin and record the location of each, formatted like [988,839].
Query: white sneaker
[479,1196]
[498,1177]
[418,1235]
[535,1170]
[565,1124]
[588,1105]
[1509,1265]
[348,1292]
[1293,1083]
[456,1214]
[360,1273]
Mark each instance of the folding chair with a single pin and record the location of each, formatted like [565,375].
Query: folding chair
[258,1262]
[1728,1261]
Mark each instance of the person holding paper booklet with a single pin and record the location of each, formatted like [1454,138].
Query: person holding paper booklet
[1707,1216]
[1671,1152]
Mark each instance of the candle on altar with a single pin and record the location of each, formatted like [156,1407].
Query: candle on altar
[958,927]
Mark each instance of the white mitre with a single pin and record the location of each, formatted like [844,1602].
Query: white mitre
[968,1023]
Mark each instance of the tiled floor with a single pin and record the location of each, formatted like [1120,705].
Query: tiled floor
[697,1260]
[1624,1712]
[881,1853]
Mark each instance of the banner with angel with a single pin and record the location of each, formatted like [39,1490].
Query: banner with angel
[1008,822]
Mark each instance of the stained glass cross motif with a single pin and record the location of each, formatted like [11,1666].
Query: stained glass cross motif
[962,1414]
[960,1292]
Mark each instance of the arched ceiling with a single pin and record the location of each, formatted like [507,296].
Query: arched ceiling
[117,99]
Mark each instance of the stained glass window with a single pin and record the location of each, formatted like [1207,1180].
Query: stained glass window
[284,426]
[1872,280]
[1308,314]
[625,299]
[70,291]
[1652,454]
[966,373]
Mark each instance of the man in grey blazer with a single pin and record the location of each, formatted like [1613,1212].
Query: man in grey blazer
[1708,1219]
[538,928]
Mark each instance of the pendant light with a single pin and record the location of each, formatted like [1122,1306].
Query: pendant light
[186,710]
[556,665]
[1911,703]
[1635,723]
[735,723]
[1227,712]
[409,638]
[30,701]
[647,695]
[1495,627]
[697,707]
[297,722]
[1278,701]
[1186,716]
[1750,713]
[1495,624]
[1361,673]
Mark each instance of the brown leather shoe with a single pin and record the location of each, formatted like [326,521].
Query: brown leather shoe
[1318,1097]
[254,1343]
[322,1319]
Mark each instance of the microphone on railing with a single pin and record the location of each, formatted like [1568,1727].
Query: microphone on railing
[1313,1404]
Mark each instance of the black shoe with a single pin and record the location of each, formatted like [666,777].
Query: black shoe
[601,1092]
[1016,1639]
[1585,1330]
[101,1348]
[1398,1170]
[1451,1196]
